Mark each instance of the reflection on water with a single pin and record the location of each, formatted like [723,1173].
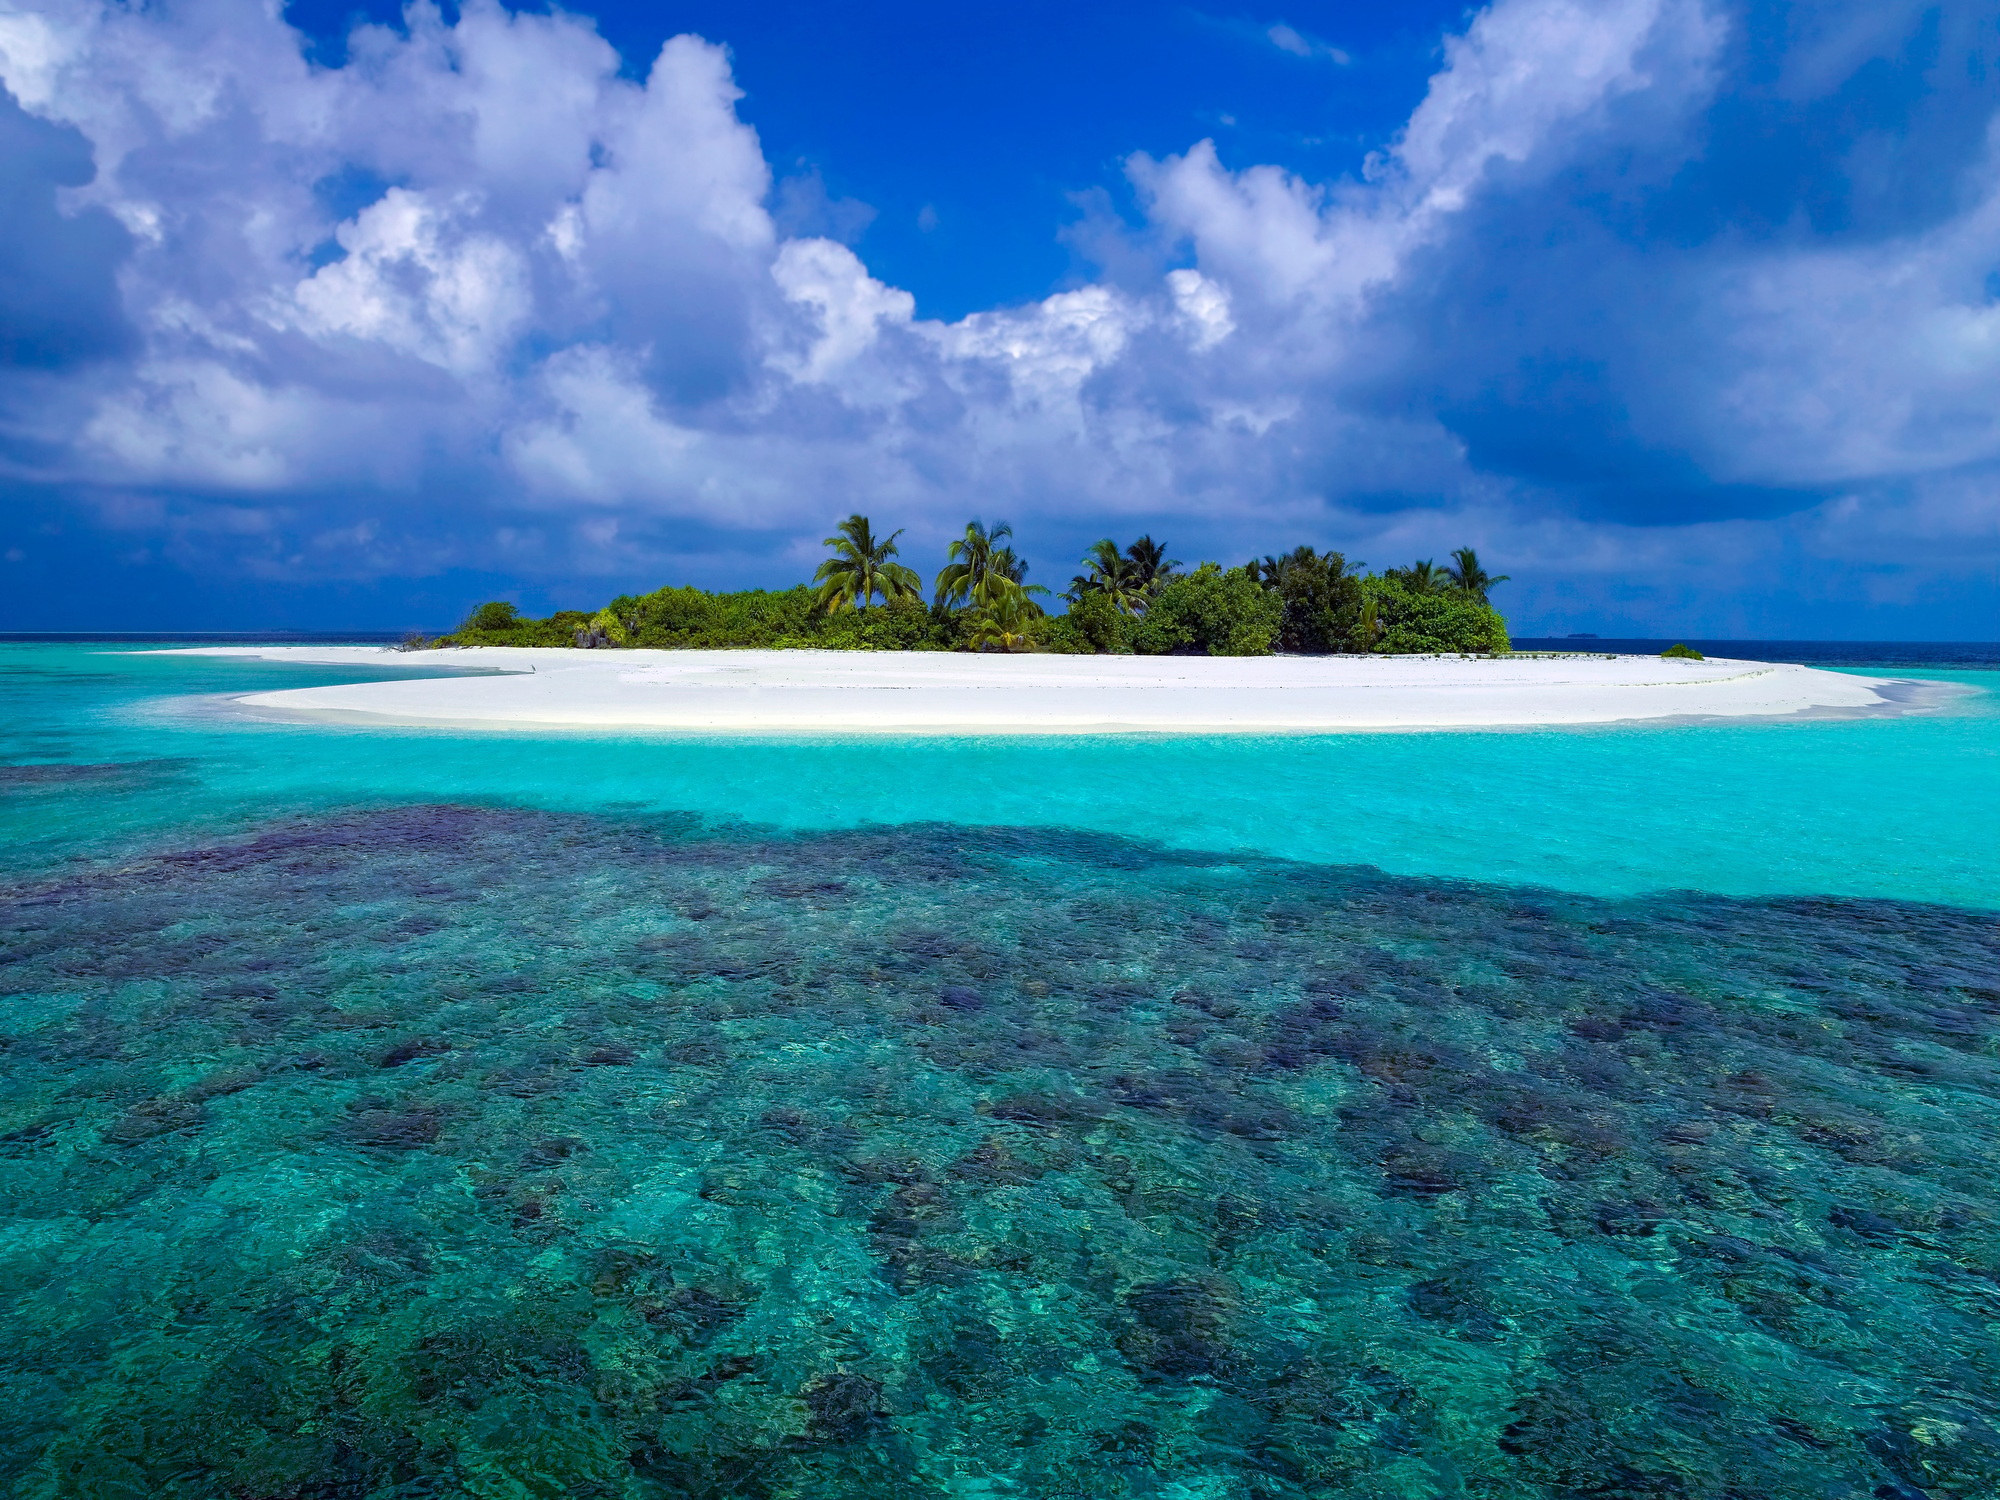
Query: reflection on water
[442,1150]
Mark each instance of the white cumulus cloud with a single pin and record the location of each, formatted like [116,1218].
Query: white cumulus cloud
[478,285]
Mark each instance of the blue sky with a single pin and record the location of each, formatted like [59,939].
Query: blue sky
[1683,313]
[996,119]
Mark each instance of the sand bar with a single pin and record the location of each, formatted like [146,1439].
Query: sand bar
[931,692]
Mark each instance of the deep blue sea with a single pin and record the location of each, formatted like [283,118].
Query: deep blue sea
[1874,655]
[1586,1113]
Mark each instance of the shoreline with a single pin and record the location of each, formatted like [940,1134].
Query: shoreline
[790,693]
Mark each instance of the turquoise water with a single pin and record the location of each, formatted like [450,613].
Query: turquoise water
[1906,808]
[1609,1114]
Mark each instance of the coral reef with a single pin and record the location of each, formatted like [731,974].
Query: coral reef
[446,1150]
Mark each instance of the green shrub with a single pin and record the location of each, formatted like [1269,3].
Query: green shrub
[494,615]
[1681,653]
[901,625]
[1408,620]
[695,618]
[1094,624]
[1091,628]
[780,619]
[1057,635]
[1209,612]
[498,623]
[1322,600]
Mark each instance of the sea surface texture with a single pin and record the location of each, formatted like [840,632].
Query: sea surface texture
[524,1135]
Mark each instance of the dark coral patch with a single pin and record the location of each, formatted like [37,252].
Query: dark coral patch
[675,1161]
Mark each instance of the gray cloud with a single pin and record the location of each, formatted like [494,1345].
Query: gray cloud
[59,301]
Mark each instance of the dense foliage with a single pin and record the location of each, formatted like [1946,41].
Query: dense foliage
[1404,619]
[1134,602]
[691,618]
[1209,612]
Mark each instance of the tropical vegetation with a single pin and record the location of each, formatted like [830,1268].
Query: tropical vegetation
[1134,600]
[980,572]
[860,569]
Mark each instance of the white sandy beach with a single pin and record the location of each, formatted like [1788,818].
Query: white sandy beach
[922,692]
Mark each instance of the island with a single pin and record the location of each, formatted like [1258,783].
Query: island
[1306,642]
[919,692]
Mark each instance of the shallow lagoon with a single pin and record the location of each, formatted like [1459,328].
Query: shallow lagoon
[1906,808]
[404,1114]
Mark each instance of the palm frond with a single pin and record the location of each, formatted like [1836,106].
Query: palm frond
[860,568]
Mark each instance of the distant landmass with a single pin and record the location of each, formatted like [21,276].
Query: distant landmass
[1581,635]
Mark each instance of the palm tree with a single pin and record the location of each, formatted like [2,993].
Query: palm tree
[1002,625]
[1269,570]
[860,569]
[1112,574]
[1424,577]
[1272,570]
[1014,569]
[978,570]
[1150,562]
[1468,577]
[1371,623]
[1010,579]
